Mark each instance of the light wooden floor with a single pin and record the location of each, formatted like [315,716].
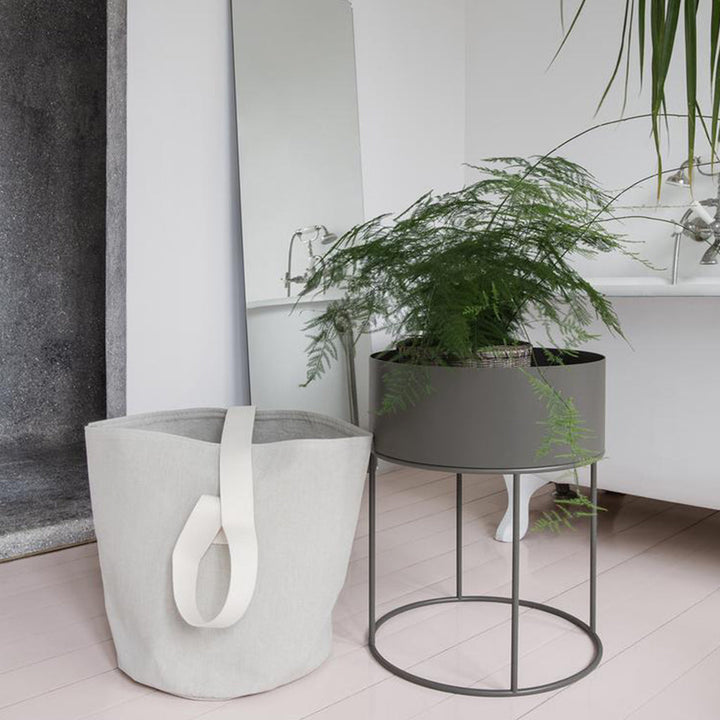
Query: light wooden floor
[659,618]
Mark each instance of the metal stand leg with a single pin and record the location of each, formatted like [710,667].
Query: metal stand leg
[371,536]
[593,547]
[515,584]
[458,536]
[514,689]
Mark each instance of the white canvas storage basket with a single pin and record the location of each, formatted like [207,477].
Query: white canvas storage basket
[147,474]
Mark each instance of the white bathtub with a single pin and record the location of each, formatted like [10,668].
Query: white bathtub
[277,344]
[663,393]
[663,389]
[654,286]
[663,383]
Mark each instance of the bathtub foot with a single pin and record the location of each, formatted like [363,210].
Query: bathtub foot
[529,485]
[563,491]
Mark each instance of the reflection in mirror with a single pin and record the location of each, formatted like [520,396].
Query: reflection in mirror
[300,182]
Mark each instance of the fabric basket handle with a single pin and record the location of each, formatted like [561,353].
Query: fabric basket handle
[231,514]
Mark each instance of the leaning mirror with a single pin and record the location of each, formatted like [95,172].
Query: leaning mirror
[300,183]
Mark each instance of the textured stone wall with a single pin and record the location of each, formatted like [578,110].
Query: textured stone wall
[116,290]
[52,219]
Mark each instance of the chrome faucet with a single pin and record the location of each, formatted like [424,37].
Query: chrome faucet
[710,256]
[697,223]
[696,227]
[308,235]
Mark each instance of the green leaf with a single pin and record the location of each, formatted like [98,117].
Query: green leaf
[668,32]
[715,104]
[714,35]
[618,60]
[569,31]
[641,37]
[627,58]
[663,28]
[657,25]
[706,133]
[691,77]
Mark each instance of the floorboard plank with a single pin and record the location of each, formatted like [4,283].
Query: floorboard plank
[659,595]
[695,694]
[78,700]
[36,647]
[42,677]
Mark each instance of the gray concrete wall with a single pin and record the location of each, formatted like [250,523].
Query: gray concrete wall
[52,219]
[115,293]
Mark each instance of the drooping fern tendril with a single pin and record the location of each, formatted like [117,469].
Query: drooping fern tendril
[566,429]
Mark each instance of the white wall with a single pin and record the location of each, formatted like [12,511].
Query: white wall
[516,106]
[185,344]
[184,298]
[411,92]
[441,84]
[411,78]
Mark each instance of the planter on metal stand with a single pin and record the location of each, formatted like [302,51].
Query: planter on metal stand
[488,420]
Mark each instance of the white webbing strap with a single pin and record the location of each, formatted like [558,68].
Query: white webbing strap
[231,514]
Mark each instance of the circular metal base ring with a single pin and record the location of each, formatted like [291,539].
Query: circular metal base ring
[489,692]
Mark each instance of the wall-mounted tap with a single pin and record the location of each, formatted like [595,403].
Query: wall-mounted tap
[697,223]
[710,257]
[308,235]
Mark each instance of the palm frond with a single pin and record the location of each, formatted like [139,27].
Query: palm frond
[663,19]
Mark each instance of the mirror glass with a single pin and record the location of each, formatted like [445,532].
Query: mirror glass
[300,181]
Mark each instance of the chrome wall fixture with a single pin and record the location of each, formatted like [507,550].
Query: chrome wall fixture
[307,235]
[697,223]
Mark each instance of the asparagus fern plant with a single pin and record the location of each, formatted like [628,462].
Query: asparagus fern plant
[473,268]
[458,272]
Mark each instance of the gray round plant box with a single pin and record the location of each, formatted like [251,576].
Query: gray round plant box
[490,418]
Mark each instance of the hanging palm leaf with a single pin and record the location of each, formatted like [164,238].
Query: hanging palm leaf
[663,18]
